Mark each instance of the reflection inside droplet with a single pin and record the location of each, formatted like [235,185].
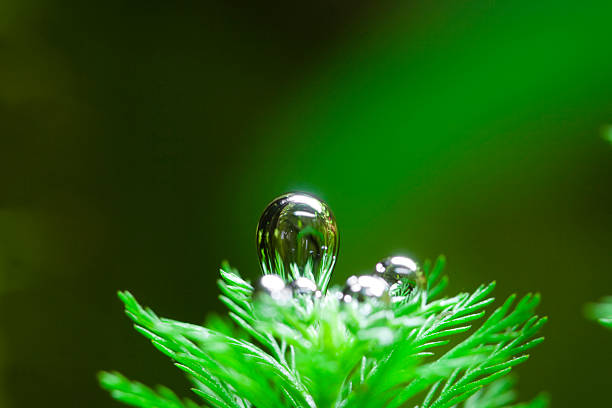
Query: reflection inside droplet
[297,236]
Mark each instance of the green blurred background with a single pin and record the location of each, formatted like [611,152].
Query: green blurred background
[140,142]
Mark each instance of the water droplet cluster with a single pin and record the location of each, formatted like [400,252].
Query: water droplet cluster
[275,287]
[297,241]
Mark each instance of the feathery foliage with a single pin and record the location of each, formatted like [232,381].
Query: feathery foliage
[418,350]
[601,311]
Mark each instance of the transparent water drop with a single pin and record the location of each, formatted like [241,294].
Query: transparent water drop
[303,286]
[297,236]
[273,286]
[400,270]
[365,286]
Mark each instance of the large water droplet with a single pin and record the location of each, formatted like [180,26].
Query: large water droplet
[297,236]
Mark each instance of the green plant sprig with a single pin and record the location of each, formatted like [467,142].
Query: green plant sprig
[323,352]
[601,311]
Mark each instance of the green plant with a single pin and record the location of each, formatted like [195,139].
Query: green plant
[601,311]
[310,351]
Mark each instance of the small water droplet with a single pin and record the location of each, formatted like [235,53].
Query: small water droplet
[365,286]
[399,271]
[297,236]
[303,286]
[273,286]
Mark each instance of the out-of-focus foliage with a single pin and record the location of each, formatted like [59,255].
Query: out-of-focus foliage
[602,311]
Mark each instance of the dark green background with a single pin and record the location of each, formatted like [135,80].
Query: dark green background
[140,141]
